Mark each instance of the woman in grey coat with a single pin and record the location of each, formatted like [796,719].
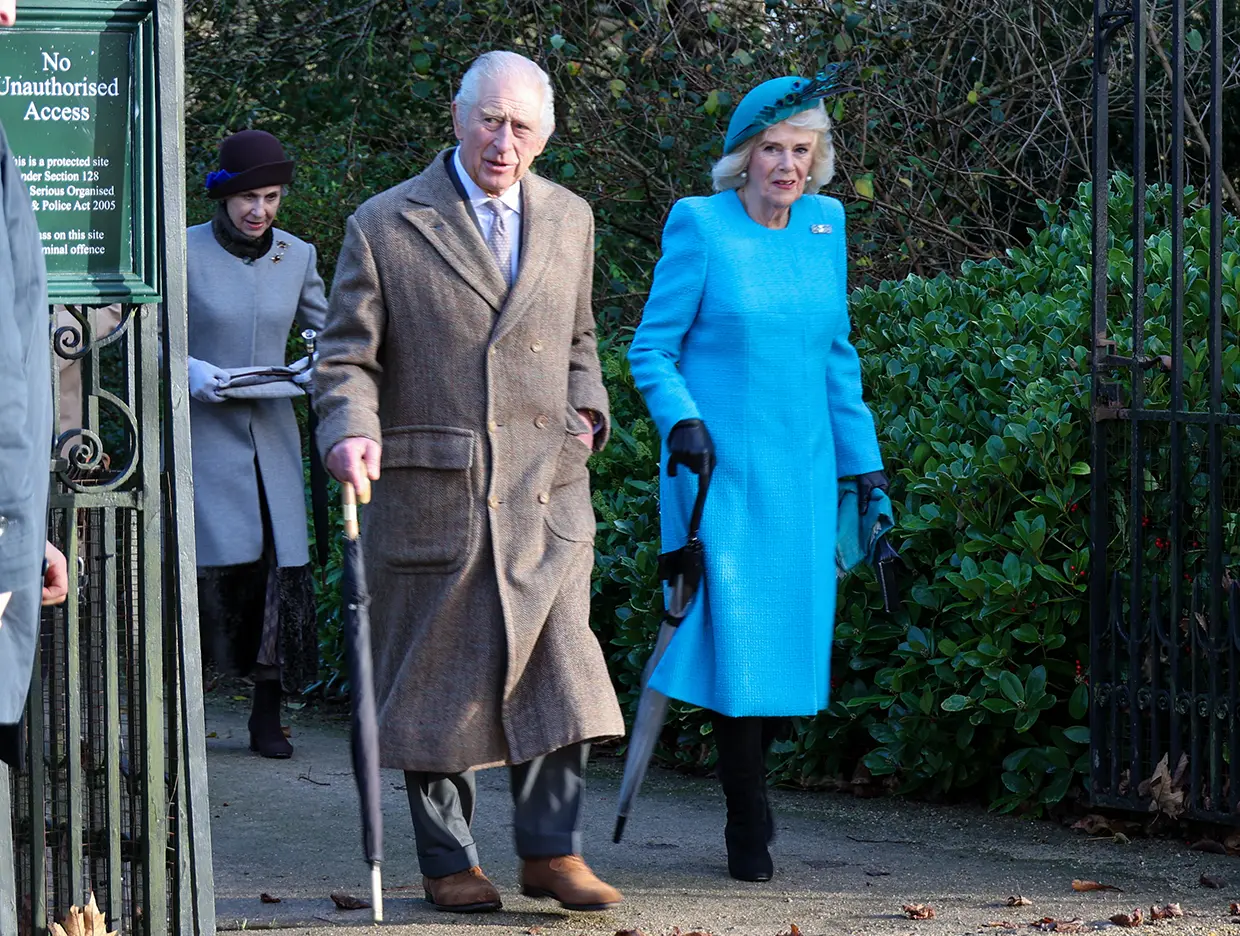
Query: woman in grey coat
[248,283]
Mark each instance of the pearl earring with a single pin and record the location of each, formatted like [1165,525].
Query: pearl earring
[744,174]
[809,178]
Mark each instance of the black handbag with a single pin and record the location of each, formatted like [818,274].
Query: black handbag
[887,563]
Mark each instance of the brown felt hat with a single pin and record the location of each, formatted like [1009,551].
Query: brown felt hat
[250,159]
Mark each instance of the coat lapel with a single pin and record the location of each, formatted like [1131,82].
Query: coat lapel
[540,221]
[442,216]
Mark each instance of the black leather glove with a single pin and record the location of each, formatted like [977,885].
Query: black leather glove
[689,444]
[866,483]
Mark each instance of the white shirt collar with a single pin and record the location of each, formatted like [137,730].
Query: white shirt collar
[477,197]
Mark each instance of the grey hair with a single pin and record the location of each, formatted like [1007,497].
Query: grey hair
[729,172]
[499,64]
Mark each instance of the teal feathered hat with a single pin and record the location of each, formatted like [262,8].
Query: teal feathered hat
[778,99]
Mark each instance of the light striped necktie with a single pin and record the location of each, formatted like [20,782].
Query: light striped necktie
[500,241]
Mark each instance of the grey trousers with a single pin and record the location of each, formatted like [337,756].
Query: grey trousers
[546,796]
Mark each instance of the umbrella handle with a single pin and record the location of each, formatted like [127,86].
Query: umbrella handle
[348,503]
[699,503]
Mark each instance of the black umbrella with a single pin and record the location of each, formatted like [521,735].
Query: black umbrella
[682,569]
[318,474]
[365,730]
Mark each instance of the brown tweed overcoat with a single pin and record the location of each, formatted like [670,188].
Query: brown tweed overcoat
[479,537]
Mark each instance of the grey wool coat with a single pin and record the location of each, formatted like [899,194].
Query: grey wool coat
[479,537]
[25,433]
[240,315]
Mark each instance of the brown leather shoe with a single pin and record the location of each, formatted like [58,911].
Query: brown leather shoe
[464,892]
[568,879]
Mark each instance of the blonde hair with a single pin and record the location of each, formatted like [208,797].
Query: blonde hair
[729,172]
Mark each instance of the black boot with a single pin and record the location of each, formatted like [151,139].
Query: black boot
[266,735]
[742,773]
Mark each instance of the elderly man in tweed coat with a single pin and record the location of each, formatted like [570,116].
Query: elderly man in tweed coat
[459,357]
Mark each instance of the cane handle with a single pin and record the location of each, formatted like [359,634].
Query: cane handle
[348,498]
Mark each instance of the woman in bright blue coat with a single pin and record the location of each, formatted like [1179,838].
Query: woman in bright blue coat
[744,360]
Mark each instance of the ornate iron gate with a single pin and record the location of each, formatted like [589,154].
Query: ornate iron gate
[113,797]
[1165,603]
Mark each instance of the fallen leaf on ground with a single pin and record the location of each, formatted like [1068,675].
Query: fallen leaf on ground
[267,898]
[533,931]
[876,872]
[1214,883]
[1000,924]
[1018,900]
[1168,912]
[1136,918]
[84,921]
[919,911]
[1232,842]
[1079,885]
[794,930]
[1093,824]
[1209,845]
[1051,925]
[630,932]
[349,902]
[1166,792]
[1235,909]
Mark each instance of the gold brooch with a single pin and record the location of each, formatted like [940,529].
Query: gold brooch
[820,229]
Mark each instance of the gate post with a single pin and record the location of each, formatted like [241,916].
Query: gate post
[196,897]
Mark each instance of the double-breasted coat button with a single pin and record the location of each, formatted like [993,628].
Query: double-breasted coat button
[541,420]
[493,501]
[543,497]
[536,346]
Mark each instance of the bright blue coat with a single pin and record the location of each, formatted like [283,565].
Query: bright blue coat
[747,328]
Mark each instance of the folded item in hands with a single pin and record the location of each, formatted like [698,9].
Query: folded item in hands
[266,382]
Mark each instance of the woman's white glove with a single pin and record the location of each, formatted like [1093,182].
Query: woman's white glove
[304,376]
[205,380]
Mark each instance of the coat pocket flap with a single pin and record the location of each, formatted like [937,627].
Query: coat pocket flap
[439,447]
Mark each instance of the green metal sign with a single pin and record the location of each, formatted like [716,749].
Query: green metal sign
[77,104]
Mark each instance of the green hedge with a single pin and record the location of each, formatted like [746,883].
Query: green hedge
[980,386]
